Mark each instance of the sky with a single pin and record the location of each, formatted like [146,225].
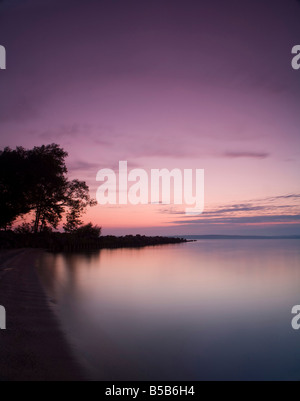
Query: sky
[163,84]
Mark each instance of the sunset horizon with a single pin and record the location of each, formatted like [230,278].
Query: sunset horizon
[149,193]
[163,94]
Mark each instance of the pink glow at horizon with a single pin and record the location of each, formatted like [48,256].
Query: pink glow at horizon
[182,84]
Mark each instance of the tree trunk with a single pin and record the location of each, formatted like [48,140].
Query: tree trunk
[37,220]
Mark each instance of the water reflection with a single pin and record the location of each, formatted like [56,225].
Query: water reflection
[217,309]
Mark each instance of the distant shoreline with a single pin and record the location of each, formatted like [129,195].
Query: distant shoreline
[62,242]
[196,237]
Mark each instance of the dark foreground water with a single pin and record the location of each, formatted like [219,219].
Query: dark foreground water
[213,309]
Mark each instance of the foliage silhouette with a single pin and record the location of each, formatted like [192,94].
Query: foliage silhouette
[88,231]
[36,181]
[13,199]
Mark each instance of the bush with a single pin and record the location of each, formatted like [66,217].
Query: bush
[24,228]
[88,231]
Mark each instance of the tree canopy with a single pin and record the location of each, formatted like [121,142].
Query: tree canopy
[36,181]
[88,231]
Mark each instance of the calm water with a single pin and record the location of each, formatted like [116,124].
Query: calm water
[213,309]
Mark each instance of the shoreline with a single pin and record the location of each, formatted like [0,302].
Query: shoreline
[33,347]
[64,242]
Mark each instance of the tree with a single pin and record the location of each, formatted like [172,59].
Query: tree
[24,228]
[13,191]
[49,193]
[77,200]
[88,231]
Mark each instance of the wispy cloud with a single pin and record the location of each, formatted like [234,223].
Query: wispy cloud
[244,220]
[18,110]
[245,154]
[292,196]
[269,205]
[83,166]
[281,209]
[98,135]
[80,165]
[71,130]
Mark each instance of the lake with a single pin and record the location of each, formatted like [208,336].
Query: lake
[205,310]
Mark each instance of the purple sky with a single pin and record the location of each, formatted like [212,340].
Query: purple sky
[163,83]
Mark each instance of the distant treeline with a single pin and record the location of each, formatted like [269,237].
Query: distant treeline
[65,242]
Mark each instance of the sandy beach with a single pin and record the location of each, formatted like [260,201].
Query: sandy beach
[33,347]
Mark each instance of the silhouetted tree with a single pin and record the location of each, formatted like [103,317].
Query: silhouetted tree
[44,188]
[88,231]
[13,191]
[24,228]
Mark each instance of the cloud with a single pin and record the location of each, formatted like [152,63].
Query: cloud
[281,209]
[71,130]
[246,208]
[177,150]
[245,154]
[98,135]
[170,211]
[18,110]
[80,165]
[249,207]
[219,211]
[292,196]
[83,166]
[243,220]
[236,208]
